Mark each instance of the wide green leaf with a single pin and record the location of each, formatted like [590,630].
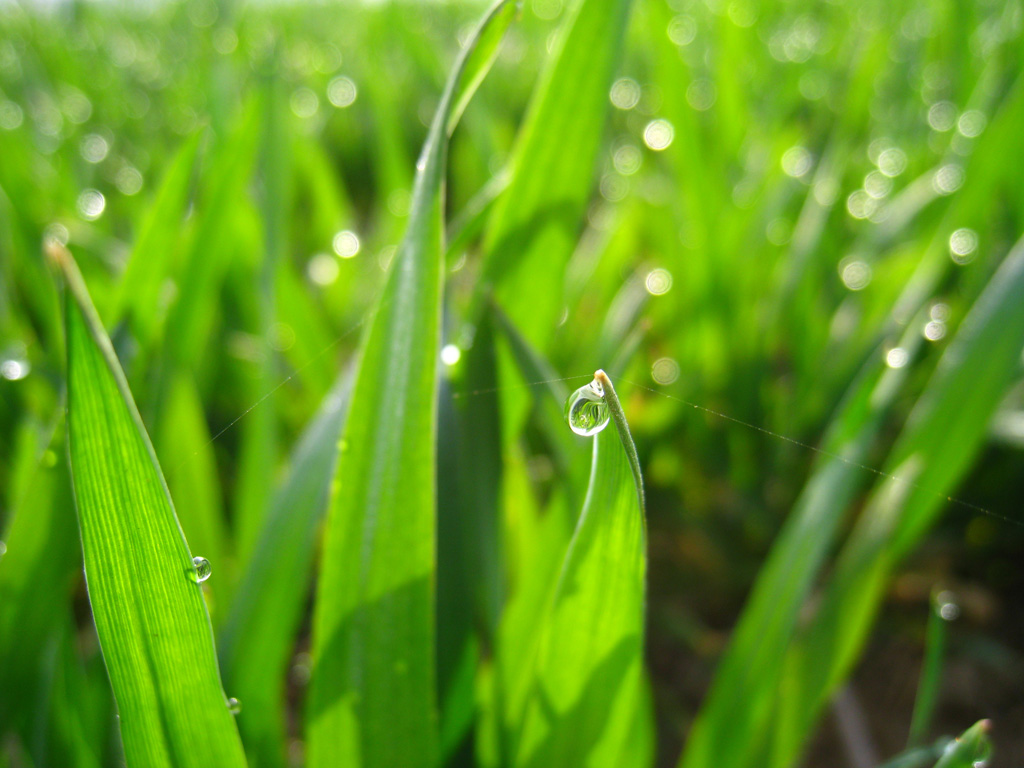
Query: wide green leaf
[373,635]
[149,610]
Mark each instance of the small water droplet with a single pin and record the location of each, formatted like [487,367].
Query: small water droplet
[586,411]
[234,706]
[203,569]
[3,549]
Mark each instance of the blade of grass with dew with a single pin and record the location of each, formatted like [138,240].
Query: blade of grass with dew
[149,611]
[942,435]
[261,627]
[184,444]
[970,750]
[373,634]
[589,662]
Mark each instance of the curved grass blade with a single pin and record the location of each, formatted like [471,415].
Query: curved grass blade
[943,433]
[265,615]
[373,638]
[732,728]
[150,615]
[588,670]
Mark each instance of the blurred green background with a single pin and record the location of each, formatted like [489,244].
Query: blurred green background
[790,199]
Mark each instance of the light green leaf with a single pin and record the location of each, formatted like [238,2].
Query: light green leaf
[150,615]
[373,634]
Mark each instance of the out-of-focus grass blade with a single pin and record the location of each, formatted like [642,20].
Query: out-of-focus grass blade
[222,189]
[470,579]
[259,431]
[373,637]
[732,726]
[931,672]
[972,748]
[550,393]
[942,434]
[481,57]
[149,611]
[535,223]
[588,667]
[138,291]
[260,629]
[35,573]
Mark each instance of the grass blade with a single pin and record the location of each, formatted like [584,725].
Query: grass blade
[150,614]
[264,618]
[588,669]
[534,227]
[374,665]
[942,434]
[931,672]
[970,749]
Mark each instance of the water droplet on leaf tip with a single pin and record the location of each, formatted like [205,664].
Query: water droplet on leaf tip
[203,569]
[234,706]
[586,411]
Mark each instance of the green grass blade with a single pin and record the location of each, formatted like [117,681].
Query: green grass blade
[931,673]
[260,630]
[944,431]
[535,224]
[972,748]
[35,572]
[732,727]
[589,661]
[150,614]
[138,291]
[480,58]
[373,637]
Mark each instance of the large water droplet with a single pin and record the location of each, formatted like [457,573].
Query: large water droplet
[203,569]
[586,411]
[234,706]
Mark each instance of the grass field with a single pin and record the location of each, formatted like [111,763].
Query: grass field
[301,291]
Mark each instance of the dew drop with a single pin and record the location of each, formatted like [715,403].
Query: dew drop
[234,706]
[203,569]
[586,411]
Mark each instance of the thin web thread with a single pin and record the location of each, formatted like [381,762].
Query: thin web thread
[828,454]
[696,406]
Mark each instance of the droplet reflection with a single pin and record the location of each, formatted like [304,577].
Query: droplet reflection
[202,569]
[586,411]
